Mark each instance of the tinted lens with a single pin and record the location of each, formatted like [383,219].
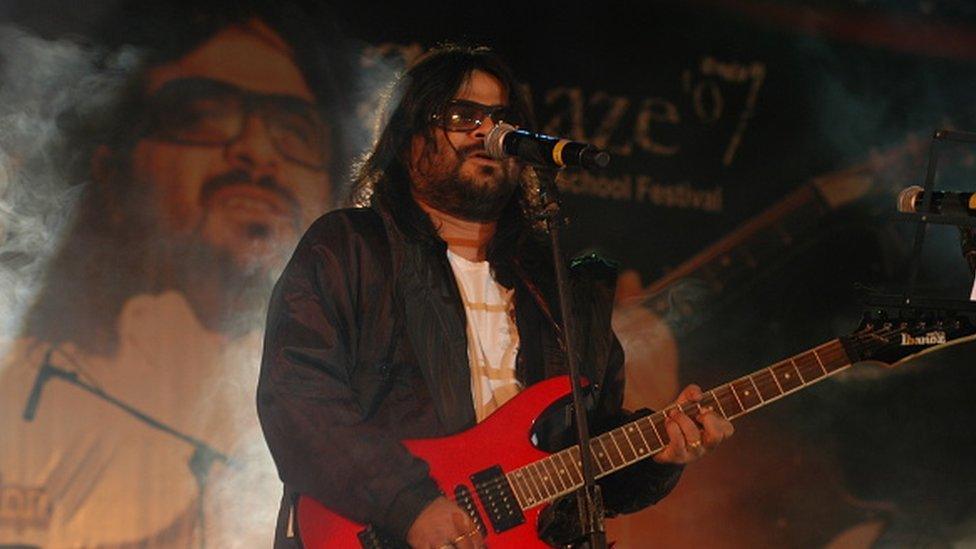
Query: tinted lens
[463,116]
[200,111]
[297,130]
[505,114]
[197,111]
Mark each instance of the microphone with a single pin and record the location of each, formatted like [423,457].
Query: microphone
[943,202]
[504,141]
[45,372]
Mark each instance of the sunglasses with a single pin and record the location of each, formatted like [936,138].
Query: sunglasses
[205,112]
[464,116]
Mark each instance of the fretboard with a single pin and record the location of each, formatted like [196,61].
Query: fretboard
[561,473]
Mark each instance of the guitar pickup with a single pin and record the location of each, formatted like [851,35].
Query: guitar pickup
[497,499]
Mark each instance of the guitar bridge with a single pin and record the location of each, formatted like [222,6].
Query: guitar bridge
[498,500]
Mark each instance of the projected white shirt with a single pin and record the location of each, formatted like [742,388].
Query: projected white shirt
[85,474]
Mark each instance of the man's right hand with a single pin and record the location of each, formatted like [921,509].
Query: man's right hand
[443,525]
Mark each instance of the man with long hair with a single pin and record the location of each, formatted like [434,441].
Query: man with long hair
[201,175]
[421,312]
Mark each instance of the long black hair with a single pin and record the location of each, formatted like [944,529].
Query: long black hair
[382,177]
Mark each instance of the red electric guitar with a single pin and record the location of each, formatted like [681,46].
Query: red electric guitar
[497,476]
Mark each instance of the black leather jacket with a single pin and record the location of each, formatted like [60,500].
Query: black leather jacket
[366,346]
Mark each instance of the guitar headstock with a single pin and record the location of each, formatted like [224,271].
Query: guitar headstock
[891,337]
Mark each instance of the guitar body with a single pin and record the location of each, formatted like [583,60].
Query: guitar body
[503,439]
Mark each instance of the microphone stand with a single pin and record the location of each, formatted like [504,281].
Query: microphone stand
[589,500]
[200,462]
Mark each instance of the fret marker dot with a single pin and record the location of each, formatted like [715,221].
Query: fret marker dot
[747,393]
[640,450]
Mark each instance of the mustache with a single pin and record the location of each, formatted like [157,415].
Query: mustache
[242,177]
[469,150]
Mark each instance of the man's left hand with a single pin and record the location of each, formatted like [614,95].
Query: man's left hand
[692,438]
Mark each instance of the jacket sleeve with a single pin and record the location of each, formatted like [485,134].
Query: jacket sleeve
[646,482]
[322,444]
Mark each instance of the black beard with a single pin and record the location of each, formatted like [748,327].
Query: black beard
[466,199]
[226,296]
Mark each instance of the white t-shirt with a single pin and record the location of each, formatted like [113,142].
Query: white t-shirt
[493,340]
[97,477]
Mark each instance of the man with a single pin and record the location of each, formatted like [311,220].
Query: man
[205,172]
[204,175]
[421,315]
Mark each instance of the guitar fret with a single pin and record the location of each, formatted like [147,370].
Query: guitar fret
[598,454]
[737,399]
[614,447]
[841,359]
[649,421]
[640,448]
[731,402]
[756,388]
[572,468]
[530,497]
[547,478]
[791,376]
[808,369]
[661,428]
[531,481]
[747,397]
[554,467]
[563,471]
[547,466]
[766,385]
[622,431]
[626,448]
[547,493]
[780,387]
[575,455]
[719,403]
[513,484]
[820,362]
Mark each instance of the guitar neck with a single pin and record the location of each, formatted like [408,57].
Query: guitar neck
[561,473]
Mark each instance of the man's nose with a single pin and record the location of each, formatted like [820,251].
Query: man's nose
[254,150]
[481,132]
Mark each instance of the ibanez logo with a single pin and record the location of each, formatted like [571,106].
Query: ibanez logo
[931,338]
